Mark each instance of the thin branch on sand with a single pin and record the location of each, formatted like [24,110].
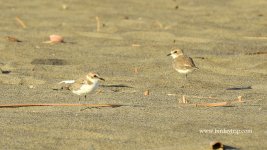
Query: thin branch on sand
[66,104]
[97,24]
[136,45]
[216,104]
[256,53]
[21,23]
[213,104]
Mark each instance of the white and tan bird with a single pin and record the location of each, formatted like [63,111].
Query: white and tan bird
[84,85]
[182,63]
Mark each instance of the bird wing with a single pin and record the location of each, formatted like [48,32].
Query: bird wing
[191,62]
[183,62]
[67,81]
[77,84]
[74,86]
[65,84]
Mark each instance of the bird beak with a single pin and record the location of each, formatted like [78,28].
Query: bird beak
[102,79]
[169,54]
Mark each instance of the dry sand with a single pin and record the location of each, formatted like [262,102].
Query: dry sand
[218,35]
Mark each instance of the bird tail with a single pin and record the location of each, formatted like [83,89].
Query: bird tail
[67,81]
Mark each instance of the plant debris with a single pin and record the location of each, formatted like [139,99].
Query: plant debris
[256,53]
[12,39]
[21,23]
[146,93]
[222,103]
[49,62]
[32,105]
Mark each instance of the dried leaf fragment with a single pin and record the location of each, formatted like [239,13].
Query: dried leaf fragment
[21,23]
[146,93]
[12,39]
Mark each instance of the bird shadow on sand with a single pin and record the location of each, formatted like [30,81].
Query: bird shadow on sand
[227,147]
[112,106]
[240,88]
[117,85]
[4,71]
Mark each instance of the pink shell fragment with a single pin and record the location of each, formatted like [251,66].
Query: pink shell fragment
[56,38]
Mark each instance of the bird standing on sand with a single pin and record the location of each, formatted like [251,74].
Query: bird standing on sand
[84,85]
[182,63]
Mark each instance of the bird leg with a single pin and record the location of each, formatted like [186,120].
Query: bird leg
[79,99]
[85,97]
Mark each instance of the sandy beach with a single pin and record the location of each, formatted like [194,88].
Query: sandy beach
[126,42]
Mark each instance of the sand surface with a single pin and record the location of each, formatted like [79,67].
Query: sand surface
[129,50]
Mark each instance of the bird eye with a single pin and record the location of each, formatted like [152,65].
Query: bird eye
[175,51]
[95,76]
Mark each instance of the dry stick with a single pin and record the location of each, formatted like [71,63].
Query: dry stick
[12,39]
[213,104]
[146,93]
[136,45]
[32,105]
[184,99]
[22,24]
[203,97]
[256,53]
[238,100]
[136,70]
[97,24]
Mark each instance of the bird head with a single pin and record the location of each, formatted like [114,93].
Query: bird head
[175,53]
[94,77]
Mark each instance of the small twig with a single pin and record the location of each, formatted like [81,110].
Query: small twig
[256,53]
[22,24]
[146,93]
[12,39]
[136,45]
[213,104]
[200,97]
[99,91]
[136,70]
[168,27]
[217,104]
[239,99]
[32,105]
[184,101]
[97,24]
